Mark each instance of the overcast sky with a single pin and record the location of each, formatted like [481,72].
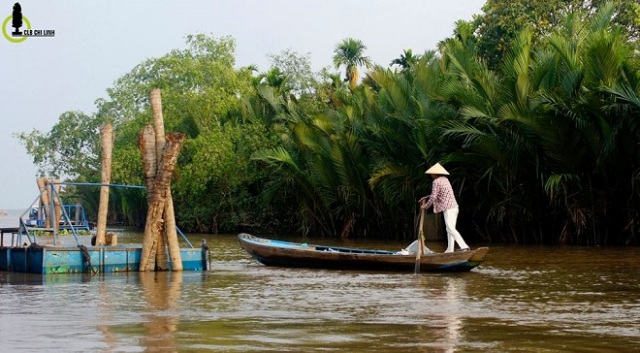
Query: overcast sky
[100,40]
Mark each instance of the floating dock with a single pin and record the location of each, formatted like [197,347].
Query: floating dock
[32,256]
[47,259]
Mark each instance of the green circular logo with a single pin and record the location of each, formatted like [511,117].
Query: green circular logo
[10,38]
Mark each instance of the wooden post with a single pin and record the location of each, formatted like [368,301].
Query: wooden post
[153,226]
[147,146]
[155,100]
[76,214]
[57,208]
[44,202]
[106,134]
[170,234]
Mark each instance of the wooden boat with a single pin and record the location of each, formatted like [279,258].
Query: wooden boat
[289,254]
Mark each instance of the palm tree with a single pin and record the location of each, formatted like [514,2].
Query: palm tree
[276,79]
[350,53]
[494,137]
[593,164]
[548,137]
[407,60]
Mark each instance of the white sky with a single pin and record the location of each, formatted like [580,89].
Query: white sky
[98,41]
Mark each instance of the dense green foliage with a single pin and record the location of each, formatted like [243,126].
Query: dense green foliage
[501,21]
[542,144]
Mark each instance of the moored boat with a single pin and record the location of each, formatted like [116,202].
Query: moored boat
[289,254]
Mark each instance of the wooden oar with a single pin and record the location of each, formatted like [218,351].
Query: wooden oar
[420,240]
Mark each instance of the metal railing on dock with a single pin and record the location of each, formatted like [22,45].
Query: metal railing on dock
[32,231]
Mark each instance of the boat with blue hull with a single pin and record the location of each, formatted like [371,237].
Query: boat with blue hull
[290,254]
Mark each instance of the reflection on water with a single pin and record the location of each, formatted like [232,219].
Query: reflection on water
[453,292]
[521,300]
[105,308]
[161,292]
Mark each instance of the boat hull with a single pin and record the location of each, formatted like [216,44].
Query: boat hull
[289,254]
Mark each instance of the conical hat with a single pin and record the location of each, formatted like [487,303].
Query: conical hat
[437,169]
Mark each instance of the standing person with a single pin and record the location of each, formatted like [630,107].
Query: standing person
[443,200]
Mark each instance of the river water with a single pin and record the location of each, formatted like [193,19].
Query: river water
[522,299]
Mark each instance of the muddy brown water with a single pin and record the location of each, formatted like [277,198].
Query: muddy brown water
[522,299]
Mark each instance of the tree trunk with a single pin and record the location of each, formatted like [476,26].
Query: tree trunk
[147,146]
[169,235]
[155,99]
[172,234]
[107,147]
[154,221]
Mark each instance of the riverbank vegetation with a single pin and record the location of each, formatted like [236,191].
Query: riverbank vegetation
[535,117]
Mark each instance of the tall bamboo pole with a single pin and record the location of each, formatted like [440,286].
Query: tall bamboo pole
[153,225]
[106,134]
[170,234]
